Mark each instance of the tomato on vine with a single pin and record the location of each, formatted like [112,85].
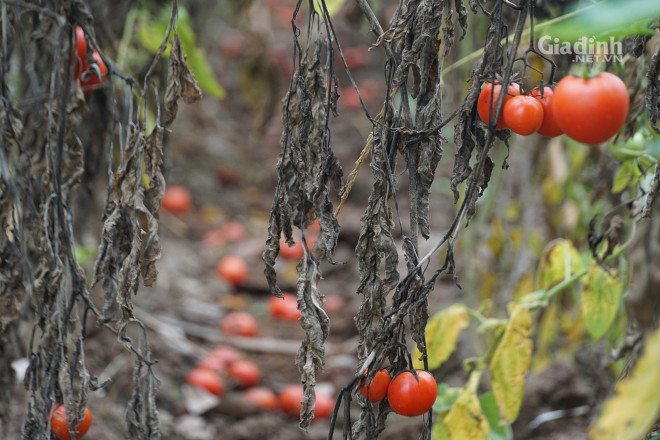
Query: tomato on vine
[60,427]
[95,78]
[412,396]
[484,101]
[549,126]
[591,110]
[378,386]
[79,53]
[523,114]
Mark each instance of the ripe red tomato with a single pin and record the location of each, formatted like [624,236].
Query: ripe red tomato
[207,380]
[290,401]
[294,252]
[324,406]
[523,114]
[60,427]
[284,308]
[410,397]
[239,323]
[220,358]
[261,397]
[233,269]
[79,53]
[484,101]
[591,110]
[176,199]
[377,389]
[94,81]
[244,373]
[549,127]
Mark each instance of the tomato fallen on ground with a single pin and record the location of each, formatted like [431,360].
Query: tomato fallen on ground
[484,101]
[245,373]
[219,358]
[285,308]
[261,397]
[60,427]
[176,199]
[591,110]
[290,402]
[233,269]
[549,126]
[206,379]
[294,252]
[377,388]
[239,323]
[523,114]
[409,396]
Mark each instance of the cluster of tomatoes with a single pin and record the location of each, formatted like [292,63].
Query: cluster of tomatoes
[90,78]
[588,110]
[410,393]
[60,427]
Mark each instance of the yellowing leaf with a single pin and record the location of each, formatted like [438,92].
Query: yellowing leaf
[601,298]
[466,419]
[442,333]
[636,404]
[510,363]
[333,6]
[439,431]
[559,261]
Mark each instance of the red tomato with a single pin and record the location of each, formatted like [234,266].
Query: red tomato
[93,81]
[290,401]
[261,397]
[591,110]
[284,308]
[176,199]
[60,427]
[220,358]
[233,269]
[523,114]
[239,323]
[79,53]
[549,127]
[377,389]
[410,397]
[244,373]
[207,380]
[294,252]
[484,101]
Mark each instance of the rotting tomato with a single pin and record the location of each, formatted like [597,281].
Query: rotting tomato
[245,373]
[484,101]
[412,396]
[285,308]
[549,126]
[176,199]
[60,427]
[233,269]
[523,114]
[377,389]
[591,110]
[206,379]
[239,323]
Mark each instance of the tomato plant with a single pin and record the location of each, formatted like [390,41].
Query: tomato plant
[176,199]
[549,127]
[591,110]
[207,380]
[233,269]
[239,323]
[60,427]
[245,373]
[285,308]
[412,396]
[523,114]
[483,102]
[261,397]
[377,389]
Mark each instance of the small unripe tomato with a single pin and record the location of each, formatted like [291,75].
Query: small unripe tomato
[244,373]
[60,427]
[207,380]
[239,323]
[377,389]
[233,269]
[412,396]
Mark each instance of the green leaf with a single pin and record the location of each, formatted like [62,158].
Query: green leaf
[492,413]
[199,64]
[601,298]
[446,398]
[636,403]
[442,333]
[559,261]
[623,177]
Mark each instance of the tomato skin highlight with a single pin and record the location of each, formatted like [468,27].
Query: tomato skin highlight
[377,389]
[484,101]
[549,126]
[591,110]
[523,114]
[60,427]
[409,397]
